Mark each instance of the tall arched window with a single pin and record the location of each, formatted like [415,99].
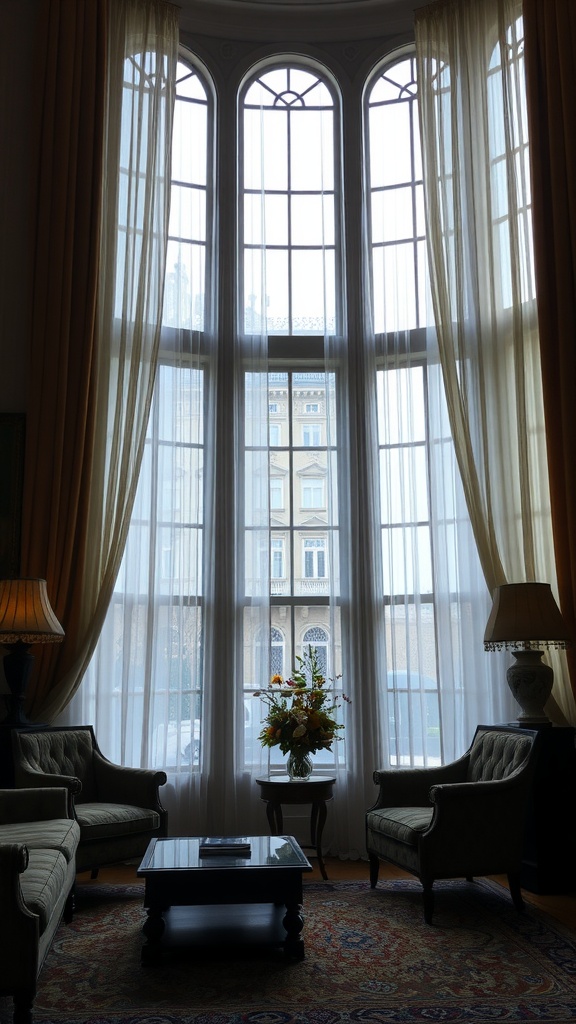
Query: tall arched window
[397,230]
[289,208]
[401,312]
[149,660]
[188,263]
[298,484]
[291,267]
[318,638]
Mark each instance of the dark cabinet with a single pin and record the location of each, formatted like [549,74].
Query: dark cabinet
[549,860]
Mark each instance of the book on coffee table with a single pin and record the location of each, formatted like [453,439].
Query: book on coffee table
[237,846]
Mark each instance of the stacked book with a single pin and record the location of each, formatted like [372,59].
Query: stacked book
[235,846]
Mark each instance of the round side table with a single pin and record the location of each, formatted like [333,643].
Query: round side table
[280,789]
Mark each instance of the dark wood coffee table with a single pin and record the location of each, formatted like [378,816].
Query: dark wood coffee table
[193,900]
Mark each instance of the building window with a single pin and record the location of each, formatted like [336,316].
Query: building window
[277,559]
[313,493]
[277,653]
[276,493]
[318,638]
[314,558]
[311,435]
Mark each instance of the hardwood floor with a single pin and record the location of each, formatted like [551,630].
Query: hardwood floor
[561,907]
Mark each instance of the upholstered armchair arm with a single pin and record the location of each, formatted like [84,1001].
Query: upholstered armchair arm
[39,804]
[477,802]
[459,840]
[13,858]
[120,784]
[410,787]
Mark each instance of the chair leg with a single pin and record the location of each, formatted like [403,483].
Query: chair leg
[428,897]
[516,891]
[69,907]
[94,873]
[374,869]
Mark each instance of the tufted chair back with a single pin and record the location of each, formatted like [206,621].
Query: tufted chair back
[68,752]
[496,755]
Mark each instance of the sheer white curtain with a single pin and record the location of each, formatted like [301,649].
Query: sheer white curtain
[190,604]
[476,171]
[142,48]
[293,224]
[249,463]
[435,684]
[299,479]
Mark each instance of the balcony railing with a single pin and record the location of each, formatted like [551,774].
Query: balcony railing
[303,586]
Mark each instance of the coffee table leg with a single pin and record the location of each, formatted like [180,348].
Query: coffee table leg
[293,923]
[153,929]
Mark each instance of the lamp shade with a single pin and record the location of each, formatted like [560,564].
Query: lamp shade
[525,615]
[26,615]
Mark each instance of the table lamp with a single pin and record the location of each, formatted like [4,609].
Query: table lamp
[524,619]
[26,618]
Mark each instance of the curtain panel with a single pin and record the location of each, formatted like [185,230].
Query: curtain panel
[476,173]
[165,686]
[127,253]
[299,477]
[284,484]
[61,406]
[550,28]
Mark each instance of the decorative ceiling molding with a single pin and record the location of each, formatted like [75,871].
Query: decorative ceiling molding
[313,20]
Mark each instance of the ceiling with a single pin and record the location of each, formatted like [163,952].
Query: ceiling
[312,19]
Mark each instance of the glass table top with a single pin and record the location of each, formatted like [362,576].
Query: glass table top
[184,853]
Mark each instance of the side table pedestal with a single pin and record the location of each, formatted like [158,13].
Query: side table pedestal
[276,790]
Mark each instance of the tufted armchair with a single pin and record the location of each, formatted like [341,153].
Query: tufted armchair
[118,808]
[461,819]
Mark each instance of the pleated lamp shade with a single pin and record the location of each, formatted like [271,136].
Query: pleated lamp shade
[525,615]
[26,614]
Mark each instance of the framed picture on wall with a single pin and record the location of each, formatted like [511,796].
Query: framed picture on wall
[12,433]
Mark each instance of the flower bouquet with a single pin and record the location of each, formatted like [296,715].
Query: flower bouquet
[301,716]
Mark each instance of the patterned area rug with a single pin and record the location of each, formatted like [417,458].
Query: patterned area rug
[370,959]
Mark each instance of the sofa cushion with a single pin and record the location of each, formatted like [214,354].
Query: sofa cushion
[404,824]
[101,821]
[42,883]
[55,834]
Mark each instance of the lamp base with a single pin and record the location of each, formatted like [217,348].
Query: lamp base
[17,668]
[531,683]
